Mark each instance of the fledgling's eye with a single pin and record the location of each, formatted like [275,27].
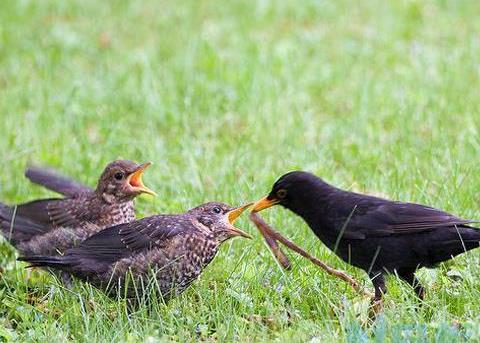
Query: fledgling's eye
[118,176]
[217,210]
[281,193]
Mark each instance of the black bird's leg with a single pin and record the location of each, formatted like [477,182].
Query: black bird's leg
[378,280]
[67,280]
[409,277]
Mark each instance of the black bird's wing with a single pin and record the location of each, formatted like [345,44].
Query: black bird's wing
[386,218]
[117,242]
[56,182]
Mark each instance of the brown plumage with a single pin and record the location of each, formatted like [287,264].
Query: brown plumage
[50,226]
[174,248]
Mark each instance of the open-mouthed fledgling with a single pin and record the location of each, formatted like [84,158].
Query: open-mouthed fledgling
[175,248]
[50,226]
[377,235]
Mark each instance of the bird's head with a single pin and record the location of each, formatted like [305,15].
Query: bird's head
[122,181]
[292,190]
[218,218]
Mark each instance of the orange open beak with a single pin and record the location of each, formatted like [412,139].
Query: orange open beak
[135,180]
[232,216]
[263,204]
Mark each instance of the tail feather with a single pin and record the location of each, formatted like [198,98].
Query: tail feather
[54,181]
[458,242]
[57,262]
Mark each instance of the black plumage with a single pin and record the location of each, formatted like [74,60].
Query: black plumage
[175,248]
[50,226]
[377,235]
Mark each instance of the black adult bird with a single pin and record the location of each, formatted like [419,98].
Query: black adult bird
[176,248]
[374,234]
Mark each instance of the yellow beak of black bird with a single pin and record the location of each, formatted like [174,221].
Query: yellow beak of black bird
[264,203]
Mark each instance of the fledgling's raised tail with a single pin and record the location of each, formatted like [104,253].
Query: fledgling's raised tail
[54,181]
[56,262]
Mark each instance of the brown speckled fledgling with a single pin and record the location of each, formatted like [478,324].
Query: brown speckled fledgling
[176,248]
[50,226]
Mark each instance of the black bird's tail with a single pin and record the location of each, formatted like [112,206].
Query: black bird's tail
[453,242]
[56,262]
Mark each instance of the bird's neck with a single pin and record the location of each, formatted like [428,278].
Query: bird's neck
[314,204]
[111,199]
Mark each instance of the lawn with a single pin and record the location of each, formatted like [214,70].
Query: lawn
[380,97]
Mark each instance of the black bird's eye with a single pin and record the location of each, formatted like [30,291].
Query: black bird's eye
[281,193]
[118,176]
[217,210]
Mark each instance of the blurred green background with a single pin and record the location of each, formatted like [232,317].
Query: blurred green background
[224,97]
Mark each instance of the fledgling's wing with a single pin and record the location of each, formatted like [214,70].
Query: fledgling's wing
[56,182]
[117,242]
[40,216]
[16,228]
[53,212]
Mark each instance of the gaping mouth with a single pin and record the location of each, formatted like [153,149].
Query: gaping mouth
[135,180]
[232,216]
[263,204]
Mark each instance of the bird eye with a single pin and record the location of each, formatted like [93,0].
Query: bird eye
[118,176]
[281,193]
[217,210]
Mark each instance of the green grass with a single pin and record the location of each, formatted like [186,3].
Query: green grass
[224,97]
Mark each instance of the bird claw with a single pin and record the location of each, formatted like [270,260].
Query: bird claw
[375,309]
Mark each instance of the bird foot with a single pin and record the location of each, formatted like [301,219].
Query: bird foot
[375,309]
[67,280]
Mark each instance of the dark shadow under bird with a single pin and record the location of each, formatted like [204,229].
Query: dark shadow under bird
[377,235]
[175,248]
[50,226]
